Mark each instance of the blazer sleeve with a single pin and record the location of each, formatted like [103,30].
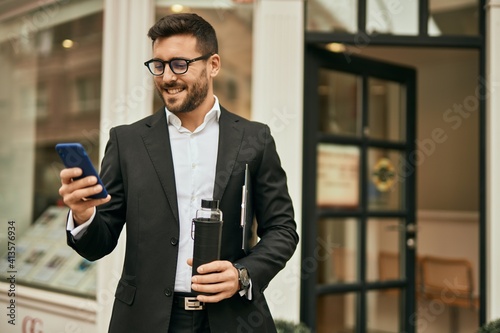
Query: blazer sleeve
[102,235]
[274,213]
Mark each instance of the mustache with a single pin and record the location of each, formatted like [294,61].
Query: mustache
[172,86]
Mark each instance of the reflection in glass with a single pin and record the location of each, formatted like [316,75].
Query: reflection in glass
[384,311]
[392,17]
[453,17]
[340,108]
[387,110]
[383,249]
[71,75]
[336,313]
[332,16]
[337,176]
[50,92]
[337,249]
[385,177]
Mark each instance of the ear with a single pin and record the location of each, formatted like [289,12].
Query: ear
[214,65]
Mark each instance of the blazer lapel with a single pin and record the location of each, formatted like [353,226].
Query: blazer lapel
[157,142]
[230,136]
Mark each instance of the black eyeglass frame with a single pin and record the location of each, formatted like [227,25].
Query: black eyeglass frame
[169,62]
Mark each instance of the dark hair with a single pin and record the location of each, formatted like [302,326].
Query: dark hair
[186,24]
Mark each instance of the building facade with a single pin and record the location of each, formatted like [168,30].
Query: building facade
[384,116]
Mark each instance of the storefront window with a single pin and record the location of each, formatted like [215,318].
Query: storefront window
[387,17]
[453,17]
[50,60]
[332,16]
[392,17]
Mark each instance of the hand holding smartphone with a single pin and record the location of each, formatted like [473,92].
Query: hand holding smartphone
[73,155]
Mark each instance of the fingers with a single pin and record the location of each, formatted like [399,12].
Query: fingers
[215,293]
[76,193]
[77,190]
[215,266]
[70,184]
[219,279]
[68,174]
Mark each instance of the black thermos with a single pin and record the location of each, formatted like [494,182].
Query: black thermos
[207,234]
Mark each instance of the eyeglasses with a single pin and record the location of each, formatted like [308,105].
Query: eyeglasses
[177,65]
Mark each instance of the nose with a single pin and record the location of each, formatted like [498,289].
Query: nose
[168,75]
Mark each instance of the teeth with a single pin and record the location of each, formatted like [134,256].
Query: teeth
[174,91]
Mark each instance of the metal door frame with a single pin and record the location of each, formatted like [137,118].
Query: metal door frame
[316,58]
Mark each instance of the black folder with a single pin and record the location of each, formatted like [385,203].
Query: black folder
[246,210]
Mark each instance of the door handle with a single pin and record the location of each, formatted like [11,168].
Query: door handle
[410,243]
[410,228]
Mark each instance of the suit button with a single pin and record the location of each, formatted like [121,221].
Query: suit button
[174,241]
[168,292]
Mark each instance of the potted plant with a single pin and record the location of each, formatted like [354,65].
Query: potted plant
[284,326]
[491,327]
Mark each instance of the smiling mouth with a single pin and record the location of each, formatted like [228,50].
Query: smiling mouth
[173,91]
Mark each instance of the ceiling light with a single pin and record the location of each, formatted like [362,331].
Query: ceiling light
[68,43]
[177,8]
[335,47]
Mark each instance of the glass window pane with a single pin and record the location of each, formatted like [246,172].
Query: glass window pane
[338,176]
[337,249]
[340,103]
[50,92]
[453,17]
[384,311]
[383,249]
[387,110]
[336,313]
[392,17]
[385,179]
[332,16]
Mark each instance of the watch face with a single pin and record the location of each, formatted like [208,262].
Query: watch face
[245,282]
[243,276]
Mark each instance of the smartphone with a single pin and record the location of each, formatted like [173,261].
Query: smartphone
[73,155]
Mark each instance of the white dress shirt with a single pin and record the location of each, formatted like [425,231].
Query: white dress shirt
[195,157]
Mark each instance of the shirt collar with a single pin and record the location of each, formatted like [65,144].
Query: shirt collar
[173,120]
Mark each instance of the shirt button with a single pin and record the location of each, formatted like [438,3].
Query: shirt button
[168,292]
[173,241]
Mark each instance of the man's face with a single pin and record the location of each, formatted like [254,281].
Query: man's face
[184,92]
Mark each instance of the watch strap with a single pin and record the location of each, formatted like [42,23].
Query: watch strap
[243,277]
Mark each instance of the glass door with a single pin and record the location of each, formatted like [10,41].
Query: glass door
[358,271]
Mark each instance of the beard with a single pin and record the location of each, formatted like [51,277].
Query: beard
[196,94]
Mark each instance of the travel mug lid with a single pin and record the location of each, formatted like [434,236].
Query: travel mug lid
[208,203]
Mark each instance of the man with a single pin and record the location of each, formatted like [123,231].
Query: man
[156,171]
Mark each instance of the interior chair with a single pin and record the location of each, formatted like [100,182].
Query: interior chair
[389,269]
[449,281]
[388,266]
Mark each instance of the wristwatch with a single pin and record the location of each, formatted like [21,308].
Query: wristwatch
[243,276]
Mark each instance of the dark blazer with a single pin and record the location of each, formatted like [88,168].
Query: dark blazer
[137,171]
